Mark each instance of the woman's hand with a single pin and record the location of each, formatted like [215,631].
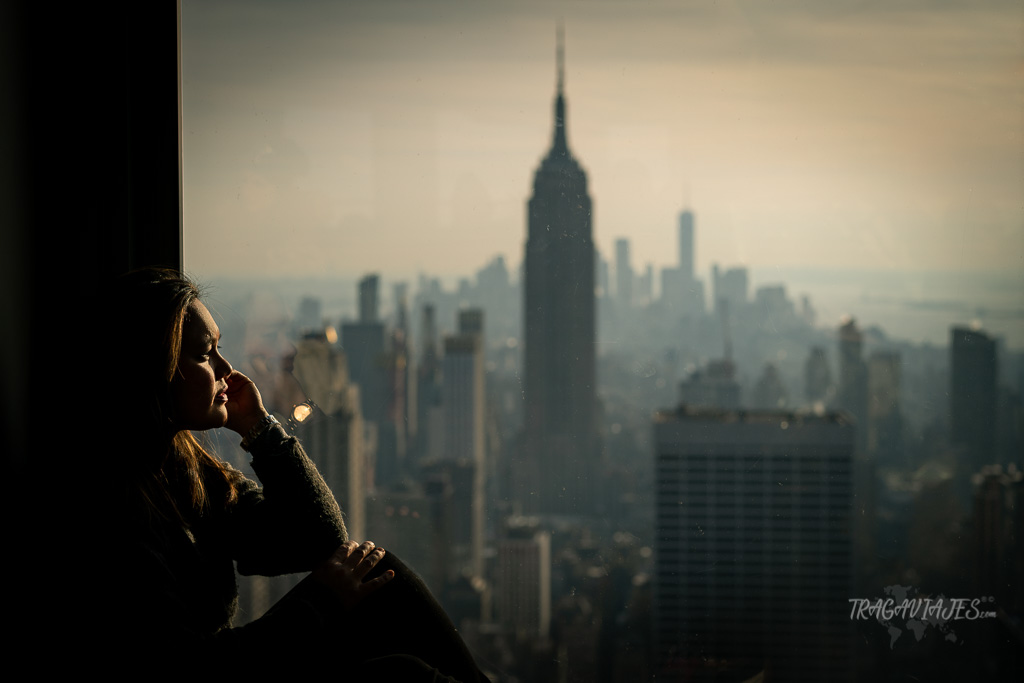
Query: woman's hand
[245,406]
[345,570]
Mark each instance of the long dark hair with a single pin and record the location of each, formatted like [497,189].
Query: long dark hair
[166,475]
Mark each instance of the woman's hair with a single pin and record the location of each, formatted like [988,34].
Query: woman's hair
[166,471]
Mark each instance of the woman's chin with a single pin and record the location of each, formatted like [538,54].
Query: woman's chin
[222,416]
[215,420]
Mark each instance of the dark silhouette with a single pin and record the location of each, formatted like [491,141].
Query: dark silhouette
[177,517]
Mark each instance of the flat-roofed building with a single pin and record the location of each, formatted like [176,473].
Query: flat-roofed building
[972,397]
[523,578]
[754,552]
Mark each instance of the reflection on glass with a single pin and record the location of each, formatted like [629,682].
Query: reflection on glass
[806,236]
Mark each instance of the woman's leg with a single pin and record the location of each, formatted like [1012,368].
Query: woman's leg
[404,668]
[403,617]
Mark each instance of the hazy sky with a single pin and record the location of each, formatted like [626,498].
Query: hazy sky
[326,137]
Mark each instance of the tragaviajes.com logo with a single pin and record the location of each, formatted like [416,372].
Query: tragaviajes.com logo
[902,610]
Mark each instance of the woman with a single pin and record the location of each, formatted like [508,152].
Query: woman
[180,517]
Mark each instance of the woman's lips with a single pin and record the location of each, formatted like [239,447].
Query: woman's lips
[222,397]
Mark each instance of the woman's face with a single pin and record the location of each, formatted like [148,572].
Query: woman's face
[199,390]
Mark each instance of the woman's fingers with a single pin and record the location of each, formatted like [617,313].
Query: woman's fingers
[369,562]
[345,571]
[372,585]
[358,558]
[357,553]
[245,405]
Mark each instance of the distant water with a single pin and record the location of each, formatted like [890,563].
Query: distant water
[915,306]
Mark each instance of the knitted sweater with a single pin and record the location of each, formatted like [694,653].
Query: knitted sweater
[179,587]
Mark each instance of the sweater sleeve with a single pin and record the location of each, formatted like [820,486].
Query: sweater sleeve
[289,524]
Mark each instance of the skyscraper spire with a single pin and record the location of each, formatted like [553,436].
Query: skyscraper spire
[560,55]
[560,145]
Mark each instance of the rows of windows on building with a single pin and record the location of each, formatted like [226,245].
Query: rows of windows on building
[695,497]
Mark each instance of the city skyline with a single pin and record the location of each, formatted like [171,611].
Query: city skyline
[820,424]
[318,135]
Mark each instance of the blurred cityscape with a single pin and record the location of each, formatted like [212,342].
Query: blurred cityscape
[611,474]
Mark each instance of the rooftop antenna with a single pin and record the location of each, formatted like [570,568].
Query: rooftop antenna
[560,53]
[560,146]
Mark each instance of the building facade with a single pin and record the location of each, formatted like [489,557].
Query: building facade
[686,245]
[462,407]
[523,581]
[972,397]
[753,545]
[853,380]
[623,273]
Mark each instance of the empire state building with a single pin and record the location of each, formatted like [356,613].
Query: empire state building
[560,438]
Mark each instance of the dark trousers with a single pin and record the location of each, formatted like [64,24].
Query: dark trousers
[401,629]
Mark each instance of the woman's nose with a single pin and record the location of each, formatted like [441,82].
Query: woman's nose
[223,366]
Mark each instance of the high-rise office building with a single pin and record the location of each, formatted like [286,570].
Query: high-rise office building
[428,390]
[333,436]
[310,315]
[818,388]
[401,366]
[885,419]
[853,380]
[972,397]
[773,308]
[365,345]
[753,548]
[686,245]
[462,407]
[713,386]
[769,391]
[456,479]
[368,293]
[603,285]
[471,321]
[729,288]
[623,273]
[645,286]
[997,543]
[560,439]
[523,579]
[496,294]
[680,290]
[852,399]
[417,519]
